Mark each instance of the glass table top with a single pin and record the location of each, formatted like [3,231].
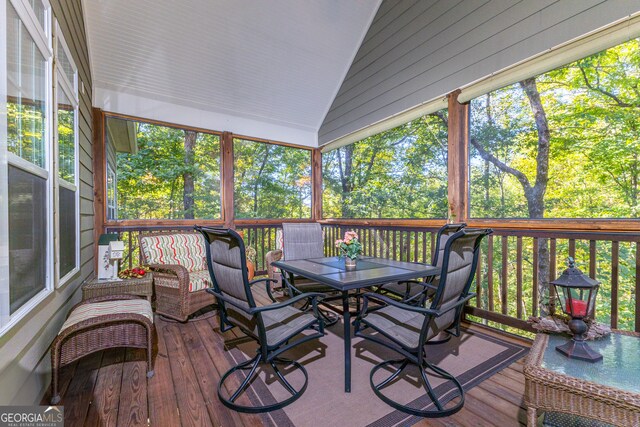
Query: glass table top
[619,368]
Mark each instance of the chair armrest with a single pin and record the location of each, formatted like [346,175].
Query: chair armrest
[267,285]
[228,300]
[426,311]
[251,311]
[416,282]
[313,296]
[176,269]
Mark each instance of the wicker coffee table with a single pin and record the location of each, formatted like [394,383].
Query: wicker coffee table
[608,391]
[98,288]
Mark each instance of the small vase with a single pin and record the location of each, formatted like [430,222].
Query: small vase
[350,264]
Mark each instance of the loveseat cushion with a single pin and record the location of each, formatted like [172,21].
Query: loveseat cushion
[199,280]
[187,250]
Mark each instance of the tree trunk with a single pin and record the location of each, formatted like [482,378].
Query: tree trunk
[187,177]
[485,179]
[346,179]
[256,183]
[535,194]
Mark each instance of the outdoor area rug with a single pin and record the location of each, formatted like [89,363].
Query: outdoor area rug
[472,358]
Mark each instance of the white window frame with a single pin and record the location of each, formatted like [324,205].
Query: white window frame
[43,40]
[111,172]
[70,89]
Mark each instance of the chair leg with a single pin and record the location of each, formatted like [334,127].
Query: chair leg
[282,379]
[253,364]
[150,370]
[393,376]
[329,319]
[440,410]
[55,396]
[55,368]
[245,383]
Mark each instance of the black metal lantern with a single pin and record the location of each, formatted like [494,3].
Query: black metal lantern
[577,296]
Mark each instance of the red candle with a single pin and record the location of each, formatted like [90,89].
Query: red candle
[579,307]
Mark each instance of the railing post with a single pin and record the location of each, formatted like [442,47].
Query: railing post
[228,211]
[458,154]
[316,184]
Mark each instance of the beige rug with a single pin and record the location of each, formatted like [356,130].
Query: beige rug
[471,358]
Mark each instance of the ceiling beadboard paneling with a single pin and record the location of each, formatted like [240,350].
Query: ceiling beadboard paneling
[417,51]
[279,61]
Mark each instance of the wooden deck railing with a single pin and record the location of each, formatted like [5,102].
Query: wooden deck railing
[506,277]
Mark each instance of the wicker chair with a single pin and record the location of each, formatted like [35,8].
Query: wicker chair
[180,274]
[276,327]
[406,328]
[413,291]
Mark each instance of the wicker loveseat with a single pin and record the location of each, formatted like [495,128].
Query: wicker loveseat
[180,274]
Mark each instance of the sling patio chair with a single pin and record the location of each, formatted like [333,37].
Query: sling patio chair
[406,328]
[276,327]
[303,241]
[416,292]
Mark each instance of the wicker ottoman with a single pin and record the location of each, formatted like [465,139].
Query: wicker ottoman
[98,324]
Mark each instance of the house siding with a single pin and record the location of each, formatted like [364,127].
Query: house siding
[25,367]
[416,51]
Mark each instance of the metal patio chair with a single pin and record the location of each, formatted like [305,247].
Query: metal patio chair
[303,241]
[272,326]
[406,328]
[413,291]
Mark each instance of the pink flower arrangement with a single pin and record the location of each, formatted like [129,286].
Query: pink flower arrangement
[349,245]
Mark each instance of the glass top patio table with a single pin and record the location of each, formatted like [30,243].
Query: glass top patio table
[369,272]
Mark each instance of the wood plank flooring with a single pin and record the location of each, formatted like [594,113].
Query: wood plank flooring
[110,388]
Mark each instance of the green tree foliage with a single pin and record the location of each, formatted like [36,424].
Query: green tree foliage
[271,181]
[150,183]
[593,109]
[400,173]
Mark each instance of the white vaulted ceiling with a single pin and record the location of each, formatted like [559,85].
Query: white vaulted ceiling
[278,63]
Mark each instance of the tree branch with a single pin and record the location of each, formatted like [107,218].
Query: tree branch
[440,115]
[501,165]
[618,101]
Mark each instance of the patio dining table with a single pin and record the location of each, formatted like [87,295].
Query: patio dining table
[369,272]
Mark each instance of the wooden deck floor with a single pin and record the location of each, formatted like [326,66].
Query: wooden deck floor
[110,388]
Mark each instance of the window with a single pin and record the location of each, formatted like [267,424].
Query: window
[66,93]
[271,181]
[563,144]
[112,204]
[161,172]
[25,158]
[400,173]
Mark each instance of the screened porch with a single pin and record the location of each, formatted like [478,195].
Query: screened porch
[156,157]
